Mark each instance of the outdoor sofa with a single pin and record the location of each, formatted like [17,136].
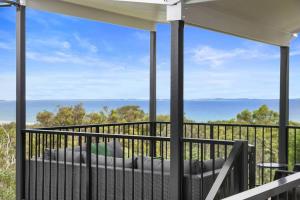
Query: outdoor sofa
[131,178]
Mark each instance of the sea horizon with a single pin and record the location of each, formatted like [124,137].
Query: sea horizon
[200,110]
[144,99]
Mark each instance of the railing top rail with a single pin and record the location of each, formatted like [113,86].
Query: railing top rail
[233,124]
[293,126]
[107,135]
[141,137]
[270,189]
[92,125]
[209,141]
[164,122]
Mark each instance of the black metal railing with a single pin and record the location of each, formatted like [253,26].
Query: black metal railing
[81,165]
[263,137]
[237,161]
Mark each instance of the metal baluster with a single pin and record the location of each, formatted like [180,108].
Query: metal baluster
[65,166]
[132,154]
[105,165]
[123,169]
[57,165]
[80,166]
[162,169]
[295,147]
[143,169]
[72,177]
[36,168]
[262,152]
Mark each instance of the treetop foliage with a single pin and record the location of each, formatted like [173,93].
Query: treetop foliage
[77,115]
[263,115]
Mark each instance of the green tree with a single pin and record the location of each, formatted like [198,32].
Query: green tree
[7,161]
[265,116]
[70,115]
[245,117]
[95,118]
[45,118]
[127,114]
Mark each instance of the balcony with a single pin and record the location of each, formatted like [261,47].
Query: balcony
[162,160]
[132,160]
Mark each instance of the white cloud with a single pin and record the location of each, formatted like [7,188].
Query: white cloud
[141,35]
[86,84]
[45,20]
[113,78]
[67,58]
[231,82]
[57,50]
[6,41]
[107,46]
[86,44]
[6,46]
[47,43]
[145,60]
[295,52]
[215,57]
[66,45]
[7,86]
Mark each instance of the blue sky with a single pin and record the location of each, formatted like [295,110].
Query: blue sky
[72,58]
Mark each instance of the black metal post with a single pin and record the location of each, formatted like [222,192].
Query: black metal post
[284,105]
[152,103]
[89,168]
[177,40]
[212,146]
[241,168]
[244,167]
[152,108]
[252,166]
[20,102]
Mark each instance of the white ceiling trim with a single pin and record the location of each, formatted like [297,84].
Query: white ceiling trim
[90,13]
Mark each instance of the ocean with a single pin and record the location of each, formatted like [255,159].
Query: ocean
[198,110]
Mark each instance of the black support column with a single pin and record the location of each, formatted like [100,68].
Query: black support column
[20,102]
[152,106]
[284,104]
[152,103]
[177,41]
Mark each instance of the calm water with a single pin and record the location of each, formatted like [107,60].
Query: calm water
[199,110]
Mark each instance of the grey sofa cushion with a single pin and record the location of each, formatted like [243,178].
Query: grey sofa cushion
[128,163]
[208,164]
[157,165]
[83,147]
[61,155]
[68,154]
[110,149]
[118,148]
[52,153]
[49,154]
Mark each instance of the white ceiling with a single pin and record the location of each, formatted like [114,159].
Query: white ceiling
[269,21]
